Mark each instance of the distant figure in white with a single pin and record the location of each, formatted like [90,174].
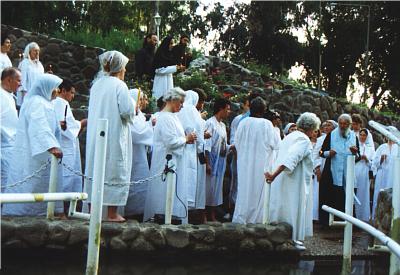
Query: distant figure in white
[69,138]
[169,138]
[142,136]
[10,81]
[30,68]
[110,99]
[5,61]
[290,189]
[38,136]
[255,140]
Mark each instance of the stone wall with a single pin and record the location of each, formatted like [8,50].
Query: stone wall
[227,238]
[384,210]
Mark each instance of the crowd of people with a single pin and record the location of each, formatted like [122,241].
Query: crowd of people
[305,164]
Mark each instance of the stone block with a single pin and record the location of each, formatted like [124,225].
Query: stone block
[59,231]
[154,235]
[176,238]
[8,229]
[33,231]
[280,233]
[264,244]
[79,233]
[109,229]
[247,244]
[141,245]
[130,233]
[117,243]
[203,235]
[52,49]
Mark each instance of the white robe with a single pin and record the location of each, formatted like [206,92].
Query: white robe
[163,81]
[384,171]
[218,149]
[318,162]
[234,176]
[69,146]
[30,70]
[142,136]
[362,168]
[5,62]
[110,99]
[169,138]
[255,141]
[201,177]
[37,131]
[8,128]
[289,190]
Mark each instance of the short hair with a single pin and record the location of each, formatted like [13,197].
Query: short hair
[66,84]
[252,96]
[220,104]
[308,121]
[4,36]
[364,130]
[147,37]
[175,93]
[271,115]
[346,117]
[331,121]
[160,103]
[9,72]
[257,106]
[184,36]
[356,118]
[201,93]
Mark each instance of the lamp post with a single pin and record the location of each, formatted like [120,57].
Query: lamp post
[364,97]
[157,21]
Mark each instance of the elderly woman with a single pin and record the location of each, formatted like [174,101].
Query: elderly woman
[290,191]
[110,100]
[30,68]
[362,169]
[38,136]
[169,138]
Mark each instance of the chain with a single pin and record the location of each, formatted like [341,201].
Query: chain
[24,180]
[76,172]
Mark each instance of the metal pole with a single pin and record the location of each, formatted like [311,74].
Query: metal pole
[366,55]
[267,189]
[395,230]
[319,51]
[348,228]
[169,202]
[52,185]
[97,197]
[41,197]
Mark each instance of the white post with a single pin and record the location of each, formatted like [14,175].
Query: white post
[52,185]
[169,202]
[267,189]
[395,230]
[97,197]
[348,228]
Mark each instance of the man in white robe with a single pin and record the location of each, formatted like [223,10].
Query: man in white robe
[142,136]
[38,135]
[10,81]
[255,141]
[110,100]
[217,149]
[5,61]
[292,178]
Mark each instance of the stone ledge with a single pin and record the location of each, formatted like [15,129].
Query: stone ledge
[138,238]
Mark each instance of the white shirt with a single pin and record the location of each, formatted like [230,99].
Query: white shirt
[8,118]
[5,62]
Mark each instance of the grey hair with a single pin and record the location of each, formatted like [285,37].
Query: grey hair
[308,121]
[175,93]
[334,123]
[346,117]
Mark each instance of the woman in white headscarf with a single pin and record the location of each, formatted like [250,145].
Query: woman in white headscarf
[38,136]
[142,136]
[30,68]
[110,100]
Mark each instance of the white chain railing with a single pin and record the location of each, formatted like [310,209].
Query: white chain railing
[24,180]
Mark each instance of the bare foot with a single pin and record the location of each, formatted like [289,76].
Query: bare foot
[61,216]
[116,218]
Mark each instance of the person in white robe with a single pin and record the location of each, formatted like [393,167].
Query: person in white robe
[38,135]
[142,136]
[217,149]
[169,139]
[69,138]
[383,169]
[10,81]
[30,68]
[255,141]
[5,61]
[290,127]
[362,169]
[110,100]
[164,65]
[356,126]
[291,179]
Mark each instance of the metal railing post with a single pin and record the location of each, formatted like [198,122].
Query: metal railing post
[52,185]
[97,197]
[267,189]
[348,228]
[395,230]
[169,202]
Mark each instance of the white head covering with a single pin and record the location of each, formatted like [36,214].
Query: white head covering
[287,127]
[191,98]
[189,115]
[28,48]
[117,61]
[44,86]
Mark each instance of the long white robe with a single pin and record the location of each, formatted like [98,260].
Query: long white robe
[384,170]
[142,136]
[289,190]
[30,70]
[163,81]
[191,121]
[318,162]
[169,138]
[8,128]
[217,149]
[69,146]
[37,131]
[201,175]
[362,168]
[255,141]
[234,176]
[5,62]
[110,99]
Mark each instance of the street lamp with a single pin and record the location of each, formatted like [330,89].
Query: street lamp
[157,21]
[366,43]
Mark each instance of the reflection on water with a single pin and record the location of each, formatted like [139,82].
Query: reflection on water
[75,264]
